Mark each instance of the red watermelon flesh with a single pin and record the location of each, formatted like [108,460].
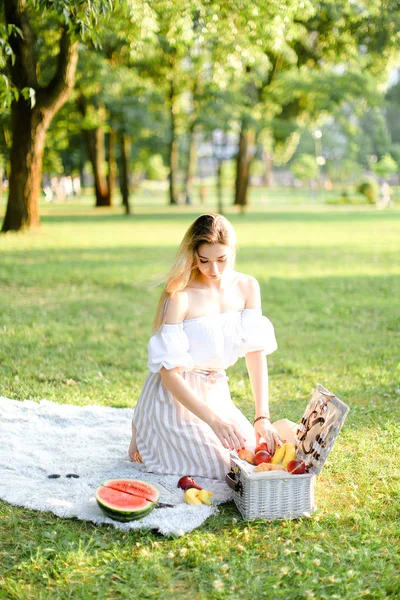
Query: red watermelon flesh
[134,487]
[122,506]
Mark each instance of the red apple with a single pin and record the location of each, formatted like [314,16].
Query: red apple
[296,467]
[187,482]
[261,446]
[262,456]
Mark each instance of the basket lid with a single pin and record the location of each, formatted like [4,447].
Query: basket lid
[319,428]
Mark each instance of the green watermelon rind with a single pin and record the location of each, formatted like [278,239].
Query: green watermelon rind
[124,514]
[125,517]
[153,488]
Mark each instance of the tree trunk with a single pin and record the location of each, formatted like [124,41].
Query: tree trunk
[112,165]
[190,167]
[1,177]
[173,147]
[125,151]
[243,163]
[29,131]
[94,139]
[268,173]
[30,124]
[202,187]
[219,186]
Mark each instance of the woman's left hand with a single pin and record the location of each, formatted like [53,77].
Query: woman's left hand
[264,429]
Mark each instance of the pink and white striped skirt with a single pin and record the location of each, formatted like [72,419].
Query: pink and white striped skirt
[172,440]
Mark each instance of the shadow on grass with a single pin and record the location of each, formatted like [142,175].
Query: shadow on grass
[333,324]
[323,215]
[88,258]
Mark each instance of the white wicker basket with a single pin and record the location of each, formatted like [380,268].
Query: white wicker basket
[271,495]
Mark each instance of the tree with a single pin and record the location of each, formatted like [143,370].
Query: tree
[305,168]
[95,117]
[34,30]
[166,57]
[331,54]
[385,167]
[97,81]
[375,127]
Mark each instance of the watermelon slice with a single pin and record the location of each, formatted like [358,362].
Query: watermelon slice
[121,506]
[136,487]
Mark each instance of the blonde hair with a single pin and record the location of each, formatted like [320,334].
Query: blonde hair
[207,229]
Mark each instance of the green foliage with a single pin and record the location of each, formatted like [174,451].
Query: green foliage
[280,67]
[344,170]
[83,20]
[375,126]
[304,167]
[155,168]
[385,167]
[81,17]
[392,110]
[8,91]
[349,196]
[395,152]
[370,189]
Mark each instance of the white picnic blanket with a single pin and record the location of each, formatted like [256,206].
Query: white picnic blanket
[38,439]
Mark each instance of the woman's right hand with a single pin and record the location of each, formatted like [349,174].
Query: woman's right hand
[228,433]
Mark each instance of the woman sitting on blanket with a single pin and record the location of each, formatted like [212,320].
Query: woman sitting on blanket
[208,316]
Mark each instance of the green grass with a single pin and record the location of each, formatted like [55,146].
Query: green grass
[77,300]
[155,194]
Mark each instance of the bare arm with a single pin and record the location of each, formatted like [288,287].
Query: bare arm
[182,392]
[257,368]
[258,373]
[226,431]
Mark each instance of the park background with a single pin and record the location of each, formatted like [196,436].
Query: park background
[121,122]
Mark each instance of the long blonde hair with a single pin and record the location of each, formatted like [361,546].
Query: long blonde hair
[206,229]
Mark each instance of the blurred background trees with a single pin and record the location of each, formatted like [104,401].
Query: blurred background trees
[104,94]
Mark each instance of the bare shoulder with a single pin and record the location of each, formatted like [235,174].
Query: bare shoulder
[177,308]
[250,289]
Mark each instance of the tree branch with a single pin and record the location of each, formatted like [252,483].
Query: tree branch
[23,69]
[56,92]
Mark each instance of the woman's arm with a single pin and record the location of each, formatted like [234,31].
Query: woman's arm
[257,368]
[258,373]
[227,432]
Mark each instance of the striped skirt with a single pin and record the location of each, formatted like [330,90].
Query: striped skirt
[172,440]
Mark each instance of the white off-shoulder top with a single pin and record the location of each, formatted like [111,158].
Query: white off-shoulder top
[211,341]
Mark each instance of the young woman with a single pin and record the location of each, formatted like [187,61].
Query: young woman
[209,315]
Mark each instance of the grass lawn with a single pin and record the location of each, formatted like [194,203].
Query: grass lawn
[77,301]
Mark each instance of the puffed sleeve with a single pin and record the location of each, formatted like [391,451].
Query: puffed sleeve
[258,332]
[169,348]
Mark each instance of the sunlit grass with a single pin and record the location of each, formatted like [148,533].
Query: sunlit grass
[77,299]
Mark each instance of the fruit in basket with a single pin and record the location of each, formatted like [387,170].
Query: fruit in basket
[278,454]
[187,482]
[290,454]
[247,455]
[296,466]
[262,456]
[261,446]
[268,467]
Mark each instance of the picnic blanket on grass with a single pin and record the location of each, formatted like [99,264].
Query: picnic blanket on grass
[84,445]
